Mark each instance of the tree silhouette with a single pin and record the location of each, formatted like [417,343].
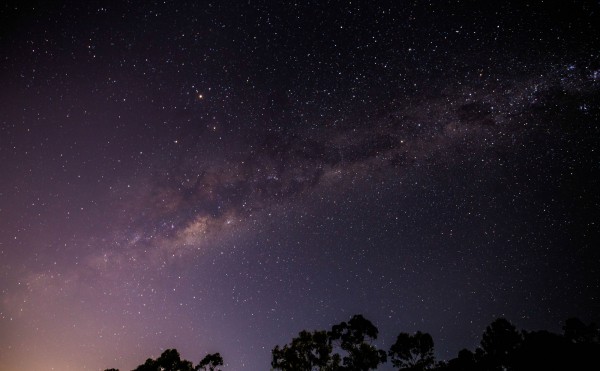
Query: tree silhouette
[210,362]
[349,346]
[466,361]
[413,352]
[543,350]
[309,351]
[583,344]
[578,332]
[505,348]
[355,339]
[499,344]
[170,360]
[315,350]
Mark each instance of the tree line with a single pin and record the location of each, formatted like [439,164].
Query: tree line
[350,346]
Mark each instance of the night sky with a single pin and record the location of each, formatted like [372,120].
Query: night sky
[217,176]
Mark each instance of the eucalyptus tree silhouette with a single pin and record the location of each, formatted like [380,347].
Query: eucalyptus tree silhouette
[170,360]
[348,346]
[413,352]
[499,343]
[210,362]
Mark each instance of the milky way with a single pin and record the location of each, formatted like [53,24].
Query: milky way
[216,177]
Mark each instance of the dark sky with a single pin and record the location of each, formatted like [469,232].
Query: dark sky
[217,176]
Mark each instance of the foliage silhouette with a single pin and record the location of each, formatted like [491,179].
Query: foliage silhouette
[310,350]
[499,344]
[466,361]
[579,333]
[413,352]
[210,362]
[170,360]
[355,339]
[349,346]
[315,350]
[505,348]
